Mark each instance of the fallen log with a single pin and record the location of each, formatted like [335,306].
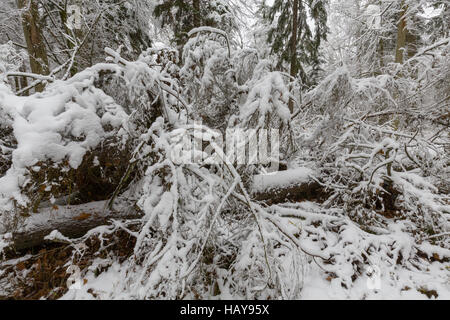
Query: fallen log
[74,221]
[71,221]
[291,185]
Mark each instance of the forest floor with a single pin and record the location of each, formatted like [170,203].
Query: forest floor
[42,273]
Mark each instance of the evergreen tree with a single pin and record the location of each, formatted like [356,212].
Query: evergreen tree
[292,38]
[184,15]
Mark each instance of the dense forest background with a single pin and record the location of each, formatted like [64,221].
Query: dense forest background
[102,102]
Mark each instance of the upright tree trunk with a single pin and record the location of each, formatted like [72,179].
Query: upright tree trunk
[411,44]
[33,37]
[381,53]
[381,46]
[70,45]
[401,35]
[196,6]
[293,50]
[23,82]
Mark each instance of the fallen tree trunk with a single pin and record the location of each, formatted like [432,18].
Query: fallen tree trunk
[75,221]
[286,186]
[70,221]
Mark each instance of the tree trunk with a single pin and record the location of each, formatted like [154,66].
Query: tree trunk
[285,186]
[33,37]
[401,36]
[71,221]
[23,82]
[293,49]
[76,220]
[70,45]
[411,41]
[310,190]
[381,44]
[196,6]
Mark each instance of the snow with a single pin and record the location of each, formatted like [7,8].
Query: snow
[356,128]
[55,235]
[279,179]
[207,29]
[63,123]
[61,214]
[104,286]
[317,287]
[269,94]
[4,241]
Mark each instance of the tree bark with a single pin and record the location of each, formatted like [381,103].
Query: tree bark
[33,37]
[76,220]
[401,36]
[23,82]
[70,45]
[381,43]
[71,221]
[285,186]
[310,190]
[293,49]
[197,19]
[411,41]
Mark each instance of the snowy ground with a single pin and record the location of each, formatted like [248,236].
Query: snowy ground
[387,282]
[316,286]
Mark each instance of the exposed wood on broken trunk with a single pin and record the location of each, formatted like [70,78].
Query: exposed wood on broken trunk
[304,191]
[286,186]
[75,221]
[71,221]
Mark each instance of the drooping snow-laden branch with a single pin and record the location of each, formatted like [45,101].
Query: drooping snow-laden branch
[164,84]
[212,30]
